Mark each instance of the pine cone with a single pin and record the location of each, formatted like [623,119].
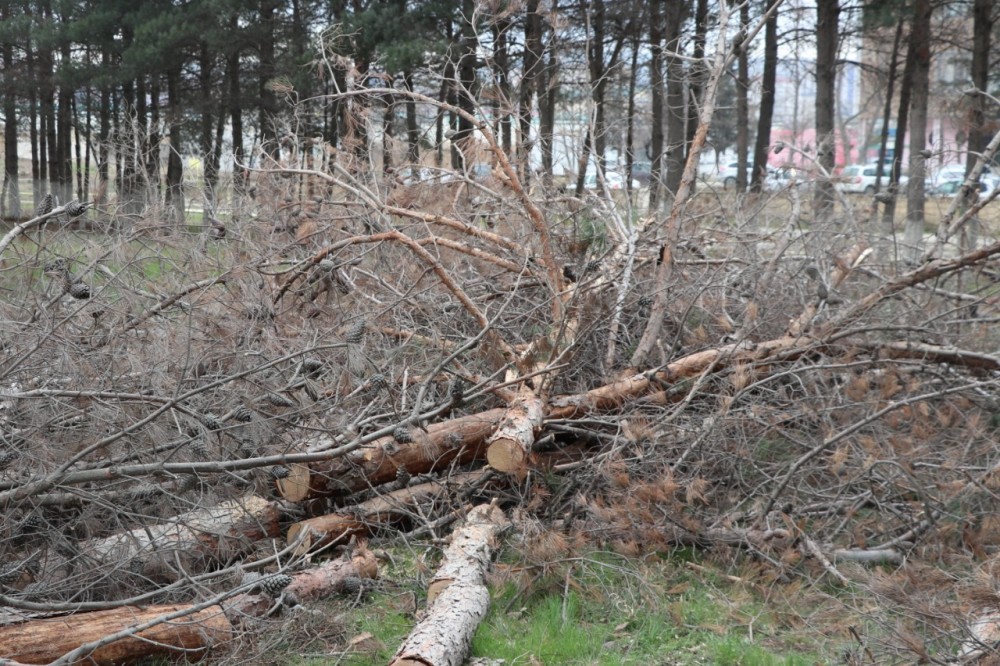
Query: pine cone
[352,585]
[10,573]
[457,391]
[75,208]
[378,383]
[79,290]
[242,414]
[274,584]
[45,206]
[6,458]
[357,333]
[212,421]
[279,400]
[199,448]
[402,435]
[403,476]
[311,367]
[32,524]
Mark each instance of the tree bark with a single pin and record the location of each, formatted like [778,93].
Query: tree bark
[764,119]
[887,114]
[902,127]
[210,534]
[742,101]
[510,445]
[676,110]
[44,641]
[381,511]
[175,168]
[10,204]
[457,597]
[462,439]
[656,96]
[920,38]
[827,33]
[982,29]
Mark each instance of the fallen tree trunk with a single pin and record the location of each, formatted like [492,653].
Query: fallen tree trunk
[212,534]
[460,440]
[457,598]
[380,511]
[510,444]
[43,641]
[331,577]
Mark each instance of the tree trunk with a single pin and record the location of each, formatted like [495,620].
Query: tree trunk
[767,84]
[457,597]
[379,512]
[902,127]
[742,100]
[103,136]
[982,28]
[827,34]
[10,203]
[511,444]
[175,168]
[268,102]
[630,117]
[656,97]
[697,75]
[412,128]
[501,72]
[462,439]
[676,108]
[464,90]
[44,641]
[920,38]
[64,120]
[530,76]
[547,92]
[887,114]
[211,534]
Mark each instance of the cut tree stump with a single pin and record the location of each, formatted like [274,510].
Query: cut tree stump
[457,598]
[44,641]
[380,511]
[211,534]
[459,440]
[510,445]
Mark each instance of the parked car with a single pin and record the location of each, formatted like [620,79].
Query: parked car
[950,188]
[950,172]
[729,172]
[860,179]
[613,179]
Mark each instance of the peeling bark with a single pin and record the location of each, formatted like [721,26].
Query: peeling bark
[457,598]
[381,511]
[462,440]
[43,641]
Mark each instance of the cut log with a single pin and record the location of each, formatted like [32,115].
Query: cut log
[213,534]
[44,641]
[511,443]
[460,440]
[380,511]
[457,598]
[332,577]
[41,641]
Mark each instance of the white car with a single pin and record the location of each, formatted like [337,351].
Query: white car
[988,180]
[860,179]
[613,179]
